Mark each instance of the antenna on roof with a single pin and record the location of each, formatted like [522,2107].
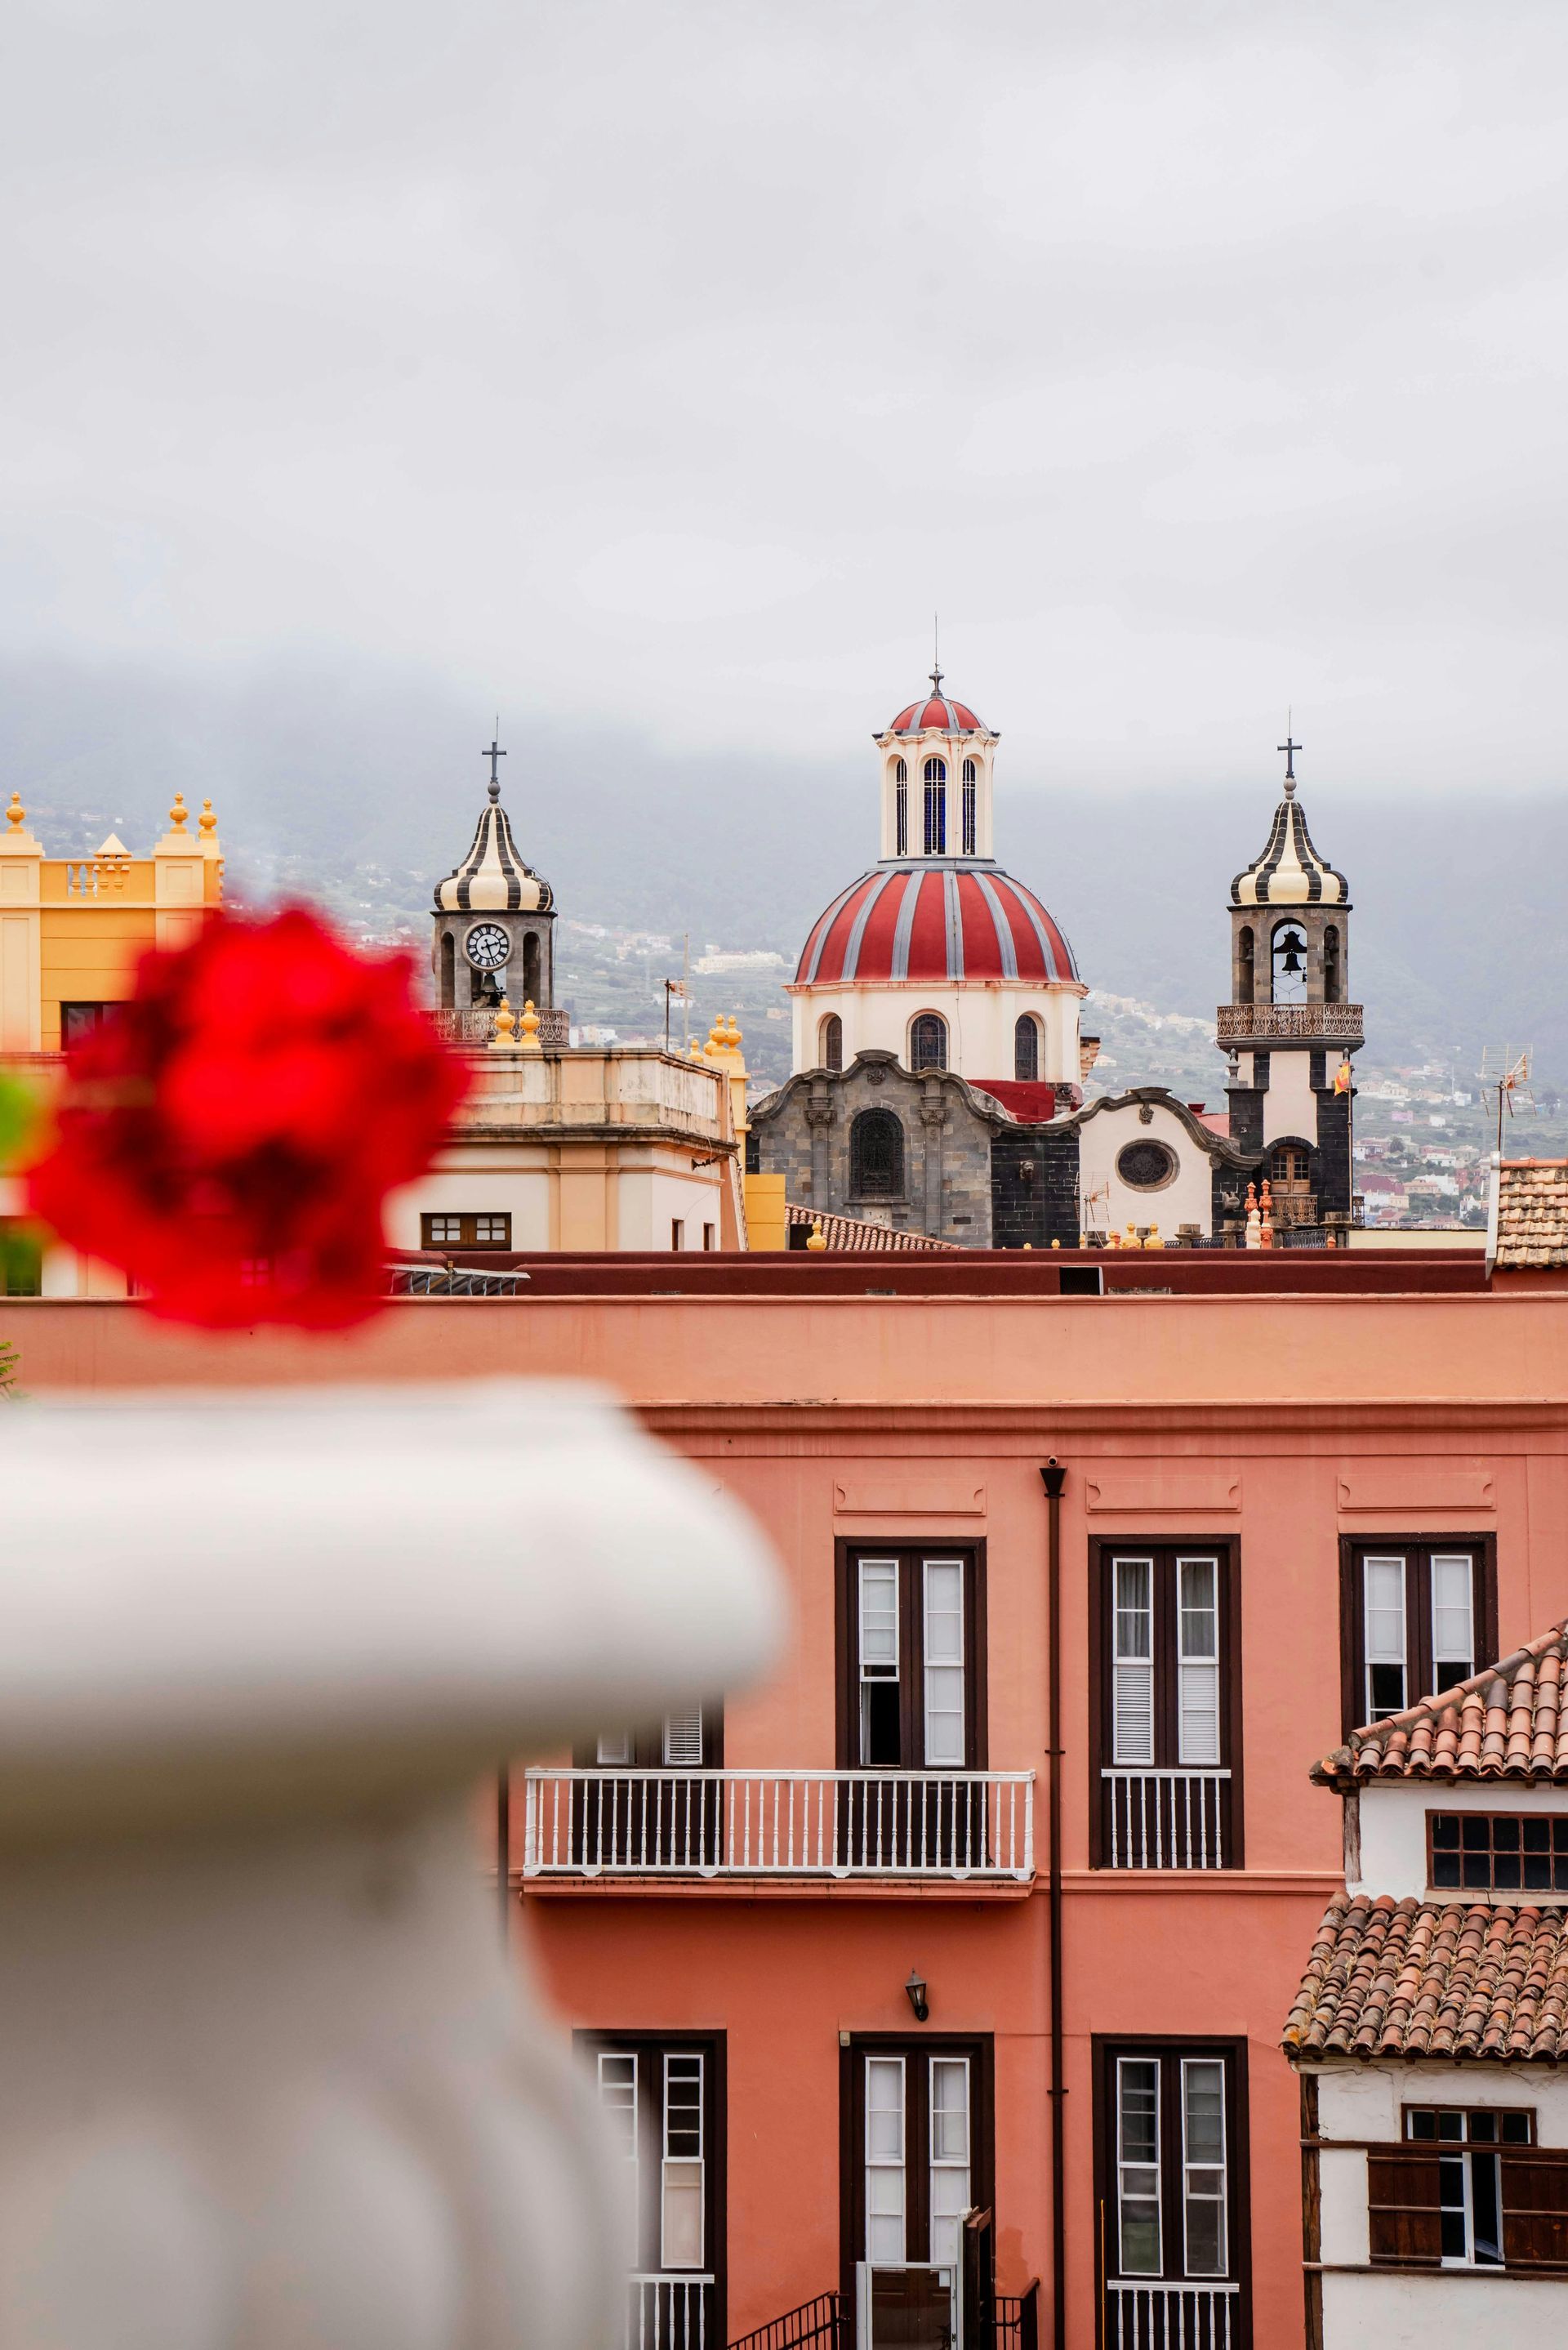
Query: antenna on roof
[1508,1071]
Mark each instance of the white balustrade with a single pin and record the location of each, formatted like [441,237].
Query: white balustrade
[667,2309]
[1166,1819]
[1176,2316]
[606,1822]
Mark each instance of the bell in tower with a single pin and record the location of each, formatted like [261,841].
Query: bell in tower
[495,923]
[1287,1027]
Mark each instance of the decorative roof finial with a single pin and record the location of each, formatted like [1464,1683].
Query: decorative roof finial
[16,812]
[936,657]
[207,822]
[179,813]
[492,754]
[1290,749]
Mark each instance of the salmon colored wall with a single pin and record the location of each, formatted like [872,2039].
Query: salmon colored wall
[1283,1422]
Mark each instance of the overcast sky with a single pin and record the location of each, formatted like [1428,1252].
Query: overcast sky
[663,365]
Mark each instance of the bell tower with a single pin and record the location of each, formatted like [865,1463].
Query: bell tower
[1289,1028]
[495,923]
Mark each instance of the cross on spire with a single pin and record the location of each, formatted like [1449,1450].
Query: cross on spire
[1290,749]
[492,754]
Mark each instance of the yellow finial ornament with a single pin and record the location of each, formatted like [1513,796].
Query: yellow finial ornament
[16,813]
[506,1026]
[529,1040]
[207,821]
[178,812]
[815,1240]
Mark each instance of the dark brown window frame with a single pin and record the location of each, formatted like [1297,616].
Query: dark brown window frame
[588,2040]
[469,1219]
[1522,1892]
[1227,1548]
[1105,2048]
[1448,2105]
[979,2047]
[1393,2166]
[1418,1655]
[846,1554]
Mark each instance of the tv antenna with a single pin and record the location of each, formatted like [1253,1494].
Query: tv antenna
[1506,1068]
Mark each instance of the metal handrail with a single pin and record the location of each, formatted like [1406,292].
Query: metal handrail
[1169,1834]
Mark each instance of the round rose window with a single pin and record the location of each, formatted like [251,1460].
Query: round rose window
[1145,1166]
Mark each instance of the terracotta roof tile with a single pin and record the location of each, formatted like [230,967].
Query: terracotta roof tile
[1507,1722]
[1434,1979]
[859,1234]
[1532,1212]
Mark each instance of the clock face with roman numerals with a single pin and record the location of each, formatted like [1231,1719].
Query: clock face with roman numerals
[487,946]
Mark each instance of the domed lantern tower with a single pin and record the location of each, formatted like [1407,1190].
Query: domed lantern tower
[494,920]
[1289,1028]
[936,954]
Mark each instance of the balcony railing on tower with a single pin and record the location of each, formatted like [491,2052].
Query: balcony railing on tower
[1335,1023]
[606,1823]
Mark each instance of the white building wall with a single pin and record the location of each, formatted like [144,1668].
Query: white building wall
[1290,1105]
[980,1016]
[1393,1830]
[1473,2312]
[1108,1204]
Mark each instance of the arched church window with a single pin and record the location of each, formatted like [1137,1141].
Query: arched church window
[901,810]
[1290,1163]
[448,972]
[970,781]
[1026,1049]
[531,970]
[1332,976]
[928,1042]
[1246,975]
[877,1156]
[1289,955]
[936,807]
[831,1042]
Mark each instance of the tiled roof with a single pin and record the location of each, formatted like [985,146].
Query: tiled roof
[1508,1723]
[859,1233]
[1434,1979]
[1533,1212]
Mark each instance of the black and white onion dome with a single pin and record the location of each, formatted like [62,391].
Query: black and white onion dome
[493,877]
[1290,872]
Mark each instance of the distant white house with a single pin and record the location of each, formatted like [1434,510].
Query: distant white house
[1430,2029]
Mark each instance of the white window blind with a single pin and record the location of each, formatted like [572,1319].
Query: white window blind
[1137,2165]
[1132,1662]
[614,1750]
[1198,1660]
[616,2086]
[878,1638]
[681,2171]
[1383,1635]
[1453,1617]
[944,1635]
[884,2158]
[949,2154]
[683,1739]
[1203,2164]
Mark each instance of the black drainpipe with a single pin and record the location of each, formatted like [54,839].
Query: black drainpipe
[503,1849]
[1053,1477]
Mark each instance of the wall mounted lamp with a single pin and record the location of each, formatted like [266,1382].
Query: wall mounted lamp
[915,1990]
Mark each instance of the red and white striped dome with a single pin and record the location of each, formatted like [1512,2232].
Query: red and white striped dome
[937,708]
[935,921]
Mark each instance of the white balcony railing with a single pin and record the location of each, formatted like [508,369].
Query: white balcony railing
[1340,1021]
[667,2309]
[1166,1819]
[1150,2316]
[804,1823]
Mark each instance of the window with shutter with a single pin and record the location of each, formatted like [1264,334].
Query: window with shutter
[1535,2209]
[1403,2206]
[1169,2153]
[1418,1617]
[661,2097]
[650,1796]
[918,2121]
[911,1648]
[1165,1701]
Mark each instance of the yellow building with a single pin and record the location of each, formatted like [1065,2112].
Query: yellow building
[71,928]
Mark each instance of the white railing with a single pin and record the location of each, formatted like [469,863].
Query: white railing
[475,1024]
[667,2310]
[1149,2317]
[823,1824]
[1166,1819]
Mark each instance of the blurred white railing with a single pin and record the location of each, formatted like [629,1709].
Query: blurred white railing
[1166,1819]
[835,1823]
[1150,2316]
[667,2310]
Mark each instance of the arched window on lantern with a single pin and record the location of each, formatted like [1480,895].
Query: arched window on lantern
[1333,971]
[448,972]
[1289,954]
[971,782]
[901,809]
[1246,976]
[877,1156]
[830,1042]
[928,1042]
[936,807]
[1026,1049]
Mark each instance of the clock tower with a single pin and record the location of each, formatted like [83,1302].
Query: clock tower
[494,925]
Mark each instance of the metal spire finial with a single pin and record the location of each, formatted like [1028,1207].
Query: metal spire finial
[936,657]
[1290,749]
[494,752]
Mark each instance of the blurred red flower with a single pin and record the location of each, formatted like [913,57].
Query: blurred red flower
[229,1135]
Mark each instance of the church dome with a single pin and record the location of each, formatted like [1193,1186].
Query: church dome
[937,708]
[939,921]
[1289,871]
[493,877]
